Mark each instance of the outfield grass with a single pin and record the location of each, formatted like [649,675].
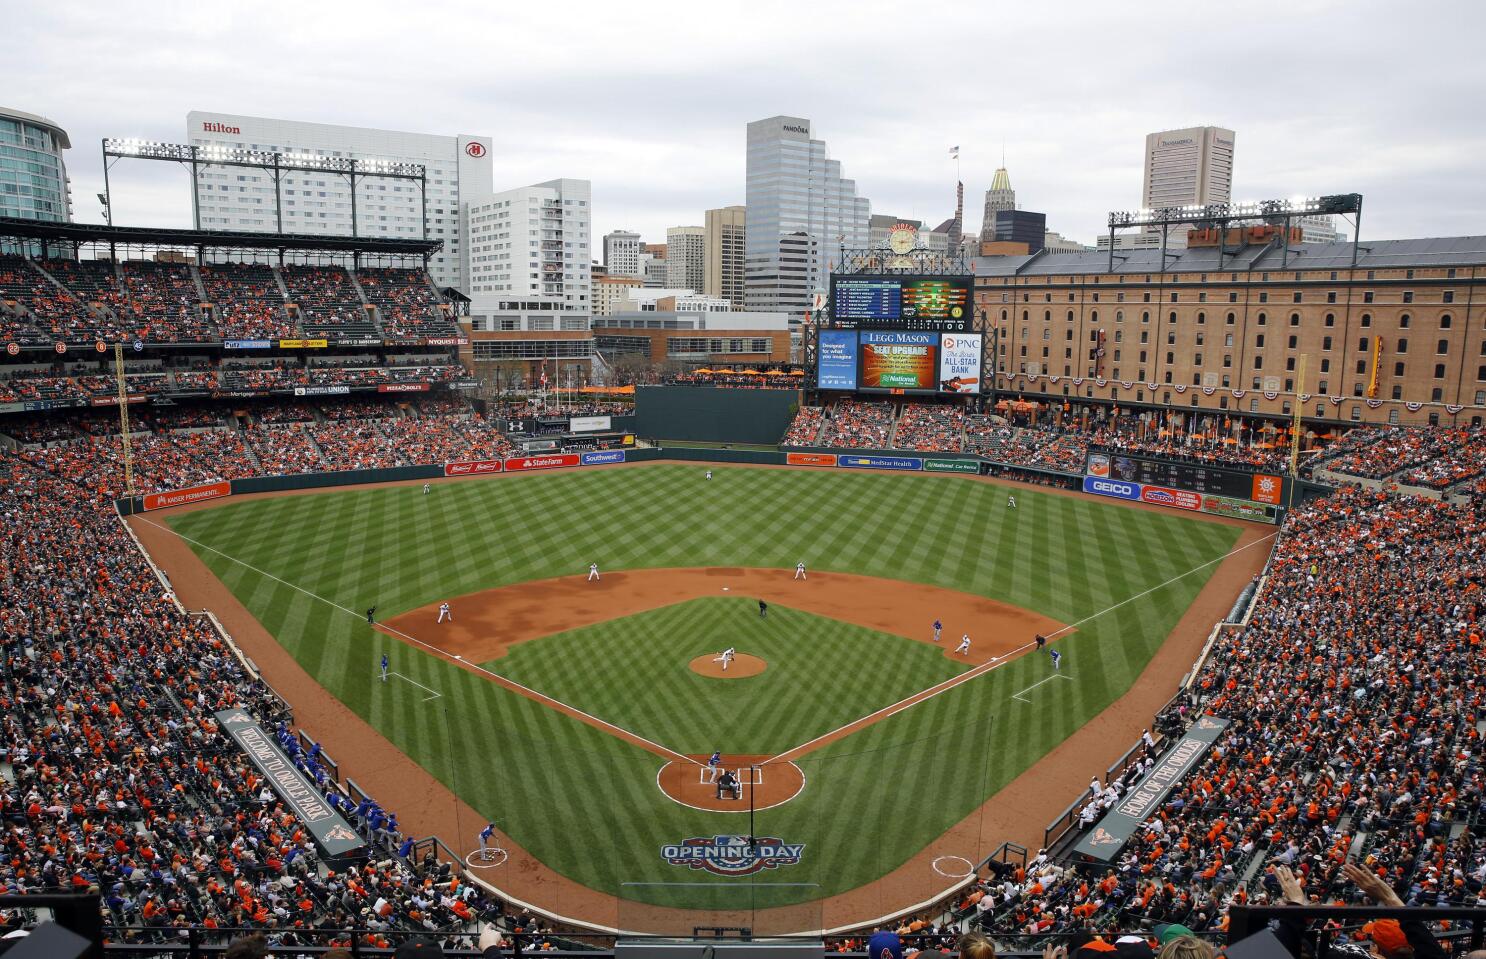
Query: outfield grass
[872,800]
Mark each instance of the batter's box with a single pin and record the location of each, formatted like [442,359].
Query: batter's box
[747,775]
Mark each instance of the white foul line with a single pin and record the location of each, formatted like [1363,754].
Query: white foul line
[986,667]
[415,682]
[1039,683]
[456,659]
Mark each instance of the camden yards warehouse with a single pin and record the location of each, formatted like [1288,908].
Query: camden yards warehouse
[1399,338]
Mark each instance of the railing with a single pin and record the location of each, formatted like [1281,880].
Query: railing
[1244,921]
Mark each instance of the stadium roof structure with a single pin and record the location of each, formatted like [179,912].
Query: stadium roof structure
[83,233]
[1377,254]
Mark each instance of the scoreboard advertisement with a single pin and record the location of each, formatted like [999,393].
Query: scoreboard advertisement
[919,304]
[899,362]
[1189,486]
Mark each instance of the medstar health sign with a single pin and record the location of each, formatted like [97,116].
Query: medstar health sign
[732,855]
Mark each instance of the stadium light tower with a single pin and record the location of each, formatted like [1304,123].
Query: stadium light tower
[277,164]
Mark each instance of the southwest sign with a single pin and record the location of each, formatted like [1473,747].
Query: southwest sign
[732,855]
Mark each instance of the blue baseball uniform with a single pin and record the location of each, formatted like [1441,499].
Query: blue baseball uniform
[384,667]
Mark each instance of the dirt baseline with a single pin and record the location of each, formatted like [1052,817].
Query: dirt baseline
[488,623]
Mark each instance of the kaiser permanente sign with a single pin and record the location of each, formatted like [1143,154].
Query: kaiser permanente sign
[1119,824]
[332,833]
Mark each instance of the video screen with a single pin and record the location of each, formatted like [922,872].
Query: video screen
[836,353]
[899,360]
[940,304]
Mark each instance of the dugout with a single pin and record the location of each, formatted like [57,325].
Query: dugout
[714,414]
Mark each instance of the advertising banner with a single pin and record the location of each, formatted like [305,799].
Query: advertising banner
[114,400]
[589,424]
[1238,509]
[247,344]
[894,361]
[810,459]
[837,369]
[472,467]
[332,833]
[880,462]
[599,457]
[1267,489]
[192,494]
[521,463]
[952,466]
[321,390]
[445,341]
[959,363]
[402,387]
[1175,498]
[1117,826]
[1111,487]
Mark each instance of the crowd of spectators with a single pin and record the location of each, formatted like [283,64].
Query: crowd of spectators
[1354,694]
[407,306]
[246,301]
[854,424]
[1464,460]
[804,429]
[1396,448]
[325,296]
[165,303]
[929,427]
[119,780]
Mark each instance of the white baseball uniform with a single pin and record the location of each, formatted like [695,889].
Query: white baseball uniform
[800,571]
[444,613]
[593,571]
[964,646]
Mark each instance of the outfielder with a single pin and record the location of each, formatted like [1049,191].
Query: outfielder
[1011,502]
[725,657]
[709,474]
[964,646]
[800,571]
[593,571]
[714,766]
[444,613]
[937,627]
[426,488]
[384,667]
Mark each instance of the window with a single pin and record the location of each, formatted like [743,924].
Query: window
[1398,369]
[1480,374]
[1262,319]
[1258,362]
[1170,357]
[1408,296]
[1366,320]
[1293,341]
[1230,319]
[1331,319]
[1173,296]
[1202,320]
[1325,342]
[1259,341]
[1264,296]
[1331,297]
[1294,319]
[1196,360]
[1439,371]
[1442,348]
[1145,316]
[1232,296]
[1403,322]
[1295,297]
[1227,361]
[1403,345]
[1325,367]
[1362,345]
[1445,321]
[1361,369]
[1228,339]
[1367,296]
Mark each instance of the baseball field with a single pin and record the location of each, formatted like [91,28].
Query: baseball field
[578,715]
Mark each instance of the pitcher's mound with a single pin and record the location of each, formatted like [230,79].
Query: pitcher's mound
[741,666]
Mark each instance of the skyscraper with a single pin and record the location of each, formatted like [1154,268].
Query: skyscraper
[686,251]
[622,253]
[536,275]
[798,206]
[1190,167]
[999,197]
[32,169]
[722,271]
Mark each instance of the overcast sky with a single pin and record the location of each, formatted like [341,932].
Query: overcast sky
[650,100]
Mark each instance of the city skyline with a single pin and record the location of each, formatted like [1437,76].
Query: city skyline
[663,158]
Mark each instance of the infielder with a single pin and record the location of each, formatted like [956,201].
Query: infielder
[964,646]
[725,657]
[800,571]
[444,613]
[937,627]
[1011,502]
[1057,660]
[593,571]
[384,667]
[714,766]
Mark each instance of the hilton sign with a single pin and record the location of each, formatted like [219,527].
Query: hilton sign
[209,127]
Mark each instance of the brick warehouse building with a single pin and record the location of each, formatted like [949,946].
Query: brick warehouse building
[1400,338]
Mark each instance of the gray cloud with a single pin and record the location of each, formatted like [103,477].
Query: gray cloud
[650,102]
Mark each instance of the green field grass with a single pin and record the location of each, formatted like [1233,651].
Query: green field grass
[872,800]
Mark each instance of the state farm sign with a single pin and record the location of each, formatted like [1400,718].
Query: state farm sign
[541,462]
[472,467]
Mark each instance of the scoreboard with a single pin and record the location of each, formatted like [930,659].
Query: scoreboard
[1194,477]
[918,304]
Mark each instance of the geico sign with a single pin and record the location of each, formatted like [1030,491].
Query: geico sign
[1105,487]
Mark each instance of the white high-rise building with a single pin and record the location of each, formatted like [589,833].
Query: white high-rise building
[622,251]
[686,257]
[239,198]
[798,206]
[1191,167]
[529,257]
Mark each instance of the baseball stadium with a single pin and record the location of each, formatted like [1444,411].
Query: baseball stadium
[327,622]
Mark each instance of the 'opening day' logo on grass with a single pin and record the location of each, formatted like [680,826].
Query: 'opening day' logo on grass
[732,855]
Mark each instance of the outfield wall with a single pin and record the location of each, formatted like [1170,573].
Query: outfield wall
[712,414]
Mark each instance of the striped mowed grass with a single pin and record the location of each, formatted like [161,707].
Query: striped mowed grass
[902,781]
